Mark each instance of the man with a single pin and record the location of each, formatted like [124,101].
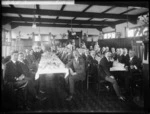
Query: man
[13,76]
[96,46]
[77,72]
[32,61]
[114,55]
[106,75]
[85,54]
[92,68]
[70,46]
[24,66]
[134,68]
[93,65]
[68,56]
[125,57]
[29,76]
[120,56]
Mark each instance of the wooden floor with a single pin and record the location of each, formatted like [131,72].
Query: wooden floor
[83,101]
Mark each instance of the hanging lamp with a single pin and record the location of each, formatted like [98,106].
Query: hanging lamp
[34,21]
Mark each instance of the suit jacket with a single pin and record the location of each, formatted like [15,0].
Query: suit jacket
[11,71]
[114,56]
[67,58]
[86,60]
[93,65]
[120,58]
[126,60]
[63,56]
[27,57]
[135,61]
[78,67]
[6,59]
[25,68]
[104,67]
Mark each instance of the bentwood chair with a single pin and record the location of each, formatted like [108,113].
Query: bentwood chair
[21,97]
[90,78]
[103,85]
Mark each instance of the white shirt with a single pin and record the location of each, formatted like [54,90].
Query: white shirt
[13,61]
[22,61]
[131,58]
[107,58]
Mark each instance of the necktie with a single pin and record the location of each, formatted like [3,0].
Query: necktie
[15,65]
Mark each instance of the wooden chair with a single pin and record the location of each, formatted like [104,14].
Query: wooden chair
[21,97]
[102,83]
[90,78]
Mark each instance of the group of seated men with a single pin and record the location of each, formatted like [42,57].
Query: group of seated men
[89,60]
[18,71]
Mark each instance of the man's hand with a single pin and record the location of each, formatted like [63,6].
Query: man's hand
[132,67]
[112,77]
[21,77]
[72,73]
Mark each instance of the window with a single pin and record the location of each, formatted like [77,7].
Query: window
[37,38]
[109,35]
[136,32]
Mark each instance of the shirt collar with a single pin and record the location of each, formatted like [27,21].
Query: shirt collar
[107,58]
[21,61]
[131,58]
[13,61]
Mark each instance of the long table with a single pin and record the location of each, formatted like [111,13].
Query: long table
[118,67]
[51,76]
[120,72]
[49,64]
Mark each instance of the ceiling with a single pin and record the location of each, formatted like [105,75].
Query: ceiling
[81,15]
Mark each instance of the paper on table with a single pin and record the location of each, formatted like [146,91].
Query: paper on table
[117,64]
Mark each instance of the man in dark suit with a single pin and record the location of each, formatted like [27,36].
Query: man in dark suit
[134,67]
[29,76]
[86,54]
[77,72]
[125,57]
[68,56]
[6,59]
[92,69]
[106,75]
[13,76]
[24,66]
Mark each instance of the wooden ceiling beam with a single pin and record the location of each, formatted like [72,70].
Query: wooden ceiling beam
[13,8]
[27,19]
[66,13]
[117,3]
[82,12]
[14,25]
[62,8]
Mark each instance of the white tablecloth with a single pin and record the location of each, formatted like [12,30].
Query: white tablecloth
[49,64]
[117,67]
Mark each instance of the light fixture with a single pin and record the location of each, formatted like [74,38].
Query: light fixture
[34,21]
[34,25]
[72,32]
